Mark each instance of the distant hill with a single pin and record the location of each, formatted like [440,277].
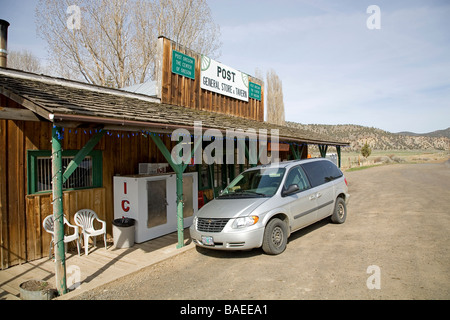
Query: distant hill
[437,133]
[379,139]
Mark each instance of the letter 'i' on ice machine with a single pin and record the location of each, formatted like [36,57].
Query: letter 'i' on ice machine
[152,202]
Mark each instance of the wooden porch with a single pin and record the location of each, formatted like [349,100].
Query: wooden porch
[99,267]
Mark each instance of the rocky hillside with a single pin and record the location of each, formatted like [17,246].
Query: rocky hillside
[437,133]
[379,139]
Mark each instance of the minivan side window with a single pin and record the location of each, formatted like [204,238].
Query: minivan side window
[332,172]
[320,172]
[297,176]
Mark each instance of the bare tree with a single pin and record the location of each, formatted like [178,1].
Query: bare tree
[24,60]
[275,104]
[115,41]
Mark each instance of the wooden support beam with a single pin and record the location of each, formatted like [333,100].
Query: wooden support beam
[197,144]
[166,153]
[25,103]
[179,169]
[294,151]
[17,114]
[323,150]
[251,155]
[79,157]
[338,150]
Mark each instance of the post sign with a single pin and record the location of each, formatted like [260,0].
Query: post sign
[222,79]
[254,91]
[183,65]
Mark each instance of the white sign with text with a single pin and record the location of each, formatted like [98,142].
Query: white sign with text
[222,79]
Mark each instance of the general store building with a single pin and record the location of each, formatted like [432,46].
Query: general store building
[122,134]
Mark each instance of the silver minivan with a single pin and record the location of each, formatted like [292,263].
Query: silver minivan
[263,205]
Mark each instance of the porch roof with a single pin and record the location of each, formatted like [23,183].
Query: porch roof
[71,104]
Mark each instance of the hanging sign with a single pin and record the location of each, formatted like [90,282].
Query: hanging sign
[183,65]
[222,79]
[254,91]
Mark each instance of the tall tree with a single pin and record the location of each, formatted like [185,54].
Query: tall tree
[24,60]
[114,42]
[275,104]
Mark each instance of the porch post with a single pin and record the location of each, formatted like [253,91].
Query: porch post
[323,150]
[88,147]
[58,214]
[338,149]
[179,169]
[180,214]
[294,152]
[251,155]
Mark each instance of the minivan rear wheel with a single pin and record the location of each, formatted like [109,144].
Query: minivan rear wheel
[340,211]
[275,237]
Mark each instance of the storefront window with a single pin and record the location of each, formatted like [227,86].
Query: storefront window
[88,174]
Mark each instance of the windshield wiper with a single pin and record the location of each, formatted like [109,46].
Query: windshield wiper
[254,192]
[225,195]
[242,193]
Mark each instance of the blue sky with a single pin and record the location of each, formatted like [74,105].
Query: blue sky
[334,69]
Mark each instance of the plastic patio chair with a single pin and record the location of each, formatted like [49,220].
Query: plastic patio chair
[85,219]
[48,225]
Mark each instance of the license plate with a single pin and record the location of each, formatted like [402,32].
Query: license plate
[207,241]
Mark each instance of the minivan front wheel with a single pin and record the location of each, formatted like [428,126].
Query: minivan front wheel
[340,211]
[275,237]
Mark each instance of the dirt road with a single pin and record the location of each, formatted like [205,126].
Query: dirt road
[394,245]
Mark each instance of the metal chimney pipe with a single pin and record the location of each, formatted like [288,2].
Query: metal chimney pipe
[3,42]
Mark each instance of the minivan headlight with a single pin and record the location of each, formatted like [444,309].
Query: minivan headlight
[243,222]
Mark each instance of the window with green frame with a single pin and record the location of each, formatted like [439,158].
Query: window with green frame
[87,175]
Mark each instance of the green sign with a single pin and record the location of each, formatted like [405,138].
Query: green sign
[254,91]
[183,65]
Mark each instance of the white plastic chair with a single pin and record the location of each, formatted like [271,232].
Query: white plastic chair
[85,219]
[48,225]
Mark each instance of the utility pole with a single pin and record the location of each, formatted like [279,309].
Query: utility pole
[58,213]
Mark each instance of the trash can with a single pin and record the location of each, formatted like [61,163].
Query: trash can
[123,232]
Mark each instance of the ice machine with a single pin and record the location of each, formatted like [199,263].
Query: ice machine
[152,202]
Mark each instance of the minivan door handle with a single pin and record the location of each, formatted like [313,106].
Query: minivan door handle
[312,197]
[318,195]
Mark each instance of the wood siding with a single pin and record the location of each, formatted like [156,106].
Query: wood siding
[39,206]
[181,91]
[22,237]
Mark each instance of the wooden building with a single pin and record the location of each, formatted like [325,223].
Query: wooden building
[118,130]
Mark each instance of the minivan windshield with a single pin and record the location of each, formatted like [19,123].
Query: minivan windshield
[262,182]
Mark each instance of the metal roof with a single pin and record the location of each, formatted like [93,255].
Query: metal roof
[147,88]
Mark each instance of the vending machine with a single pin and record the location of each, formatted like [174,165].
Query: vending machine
[152,202]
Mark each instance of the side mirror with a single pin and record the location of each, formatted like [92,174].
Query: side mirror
[293,188]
